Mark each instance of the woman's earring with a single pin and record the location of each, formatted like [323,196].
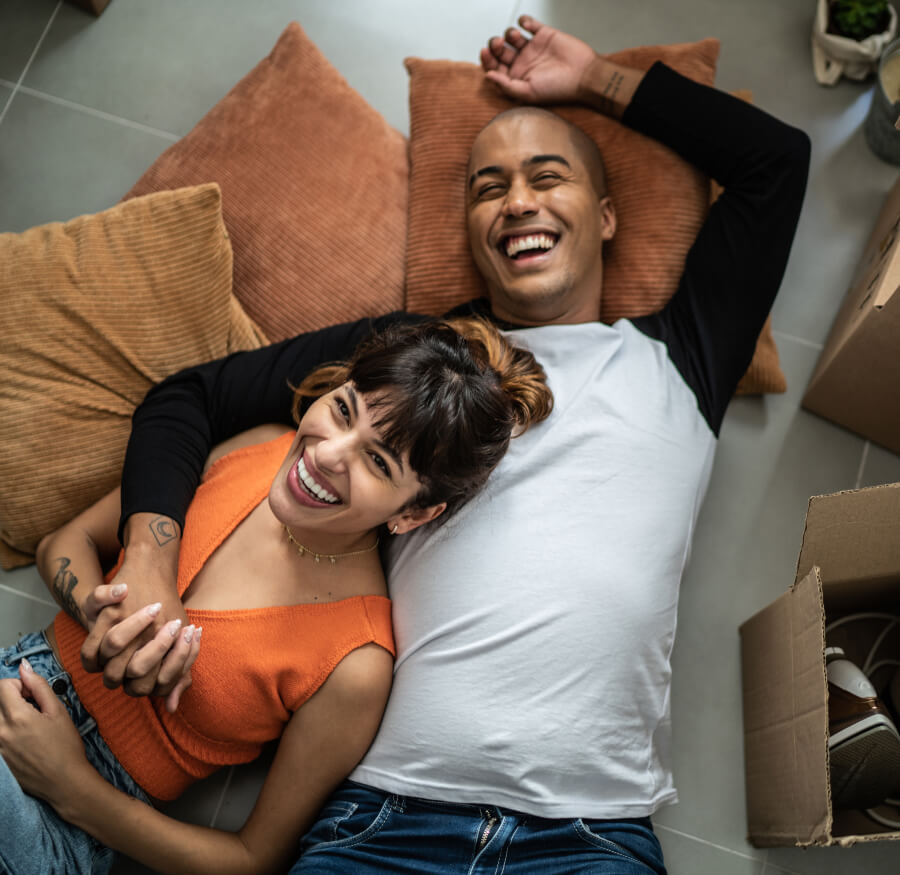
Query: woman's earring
[394,530]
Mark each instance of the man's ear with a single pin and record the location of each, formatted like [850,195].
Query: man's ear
[607,218]
[414,517]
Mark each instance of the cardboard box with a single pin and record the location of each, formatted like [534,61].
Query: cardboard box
[856,382]
[849,562]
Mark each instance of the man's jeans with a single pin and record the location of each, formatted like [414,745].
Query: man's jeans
[34,838]
[361,830]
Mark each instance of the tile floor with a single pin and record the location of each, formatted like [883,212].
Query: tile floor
[86,105]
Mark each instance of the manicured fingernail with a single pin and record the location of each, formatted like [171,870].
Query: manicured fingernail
[198,633]
[189,634]
[154,609]
[118,589]
[26,665]
[173,627]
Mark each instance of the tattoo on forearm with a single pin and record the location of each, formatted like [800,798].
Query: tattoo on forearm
[610,92]
[64,582]
[163,530]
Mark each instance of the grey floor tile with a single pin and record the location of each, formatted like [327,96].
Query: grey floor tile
[26,580]
[165,64]
[20,614]
[21,24]
[58,163]
[881,466]
[878,858]
[200,803]
[243,788]
[685,855]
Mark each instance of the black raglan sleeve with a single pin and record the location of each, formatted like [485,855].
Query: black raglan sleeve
[188,413]
[735,266]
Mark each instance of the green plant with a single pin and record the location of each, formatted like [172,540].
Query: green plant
[858,19]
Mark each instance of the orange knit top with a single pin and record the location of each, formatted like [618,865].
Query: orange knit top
[255,667]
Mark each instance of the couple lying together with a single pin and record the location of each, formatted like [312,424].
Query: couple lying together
[528,727]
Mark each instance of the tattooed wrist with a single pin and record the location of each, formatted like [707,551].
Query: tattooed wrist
[163,529]
[607,99]
[62,586]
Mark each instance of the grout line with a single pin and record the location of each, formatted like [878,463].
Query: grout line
[765,864]
[777,870]
[803,342]
[18,84]
[687,835]
[862,464]
[221,802]
[28,595]
[96,113]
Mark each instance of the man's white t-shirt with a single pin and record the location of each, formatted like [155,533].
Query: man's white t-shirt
[534,628]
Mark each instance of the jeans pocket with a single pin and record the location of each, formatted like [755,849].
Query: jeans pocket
[642,848]
[343,824]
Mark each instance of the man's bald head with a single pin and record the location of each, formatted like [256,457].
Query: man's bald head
[586,149]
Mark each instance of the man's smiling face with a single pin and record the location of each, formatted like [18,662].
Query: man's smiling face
[536,221]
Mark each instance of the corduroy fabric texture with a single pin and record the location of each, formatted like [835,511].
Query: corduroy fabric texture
[314,185]
[256,666]
[94,312]
[660,199]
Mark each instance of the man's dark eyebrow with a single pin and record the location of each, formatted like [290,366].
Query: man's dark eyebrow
[542,159]
[390,451]
[485,171]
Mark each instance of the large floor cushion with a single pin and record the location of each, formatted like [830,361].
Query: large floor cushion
[93,312]
[314,191]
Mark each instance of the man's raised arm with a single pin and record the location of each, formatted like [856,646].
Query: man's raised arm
[735,266]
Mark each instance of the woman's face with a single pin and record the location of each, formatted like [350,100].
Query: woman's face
[340,478]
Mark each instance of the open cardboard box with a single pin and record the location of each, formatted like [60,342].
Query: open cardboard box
[849,562]
[857,377]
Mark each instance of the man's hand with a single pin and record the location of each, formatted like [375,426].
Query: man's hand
[168,655]
[149,572]
[548,68]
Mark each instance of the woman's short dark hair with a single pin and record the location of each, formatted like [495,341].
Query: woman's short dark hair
[450,393]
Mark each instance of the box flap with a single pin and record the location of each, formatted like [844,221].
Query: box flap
[855,381]
[853,536]
[786,719]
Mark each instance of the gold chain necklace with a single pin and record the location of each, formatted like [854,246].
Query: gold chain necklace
[331,556]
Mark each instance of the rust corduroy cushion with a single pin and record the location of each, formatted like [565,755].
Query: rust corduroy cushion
[93,313]
[660,199]
[314,189]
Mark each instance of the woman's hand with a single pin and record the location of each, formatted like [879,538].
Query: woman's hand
[38,740]
[548,68]
[168,655]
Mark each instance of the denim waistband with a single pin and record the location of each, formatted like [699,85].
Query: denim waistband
[476,809]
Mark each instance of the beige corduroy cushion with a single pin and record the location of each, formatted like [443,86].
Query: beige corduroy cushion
[660,199]
[314,189]
[93,312]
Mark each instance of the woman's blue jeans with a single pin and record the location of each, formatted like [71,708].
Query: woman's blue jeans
[361,830]
[34,838]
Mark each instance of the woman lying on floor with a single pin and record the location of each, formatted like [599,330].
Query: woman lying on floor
[290,596]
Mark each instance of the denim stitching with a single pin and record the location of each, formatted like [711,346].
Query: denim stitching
[613,847]
[373,828]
